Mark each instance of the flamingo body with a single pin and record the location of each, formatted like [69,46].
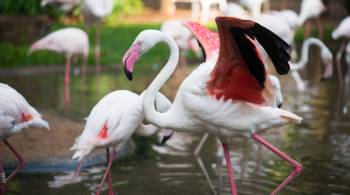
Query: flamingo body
[112,121]
[69,41]
[310,9]
[343,30]
[97,9]
[16,113]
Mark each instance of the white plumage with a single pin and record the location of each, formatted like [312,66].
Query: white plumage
[343,30]
[16,113]
[69,41]
[121,113]
[310,9]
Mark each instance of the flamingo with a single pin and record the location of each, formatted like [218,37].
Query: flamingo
[15,115]
[69,41]
[227,95]
[94,12]
[342,31]
[326,56]
[111,123]
[254,6]
[64,5]
[183,38]
[312,9]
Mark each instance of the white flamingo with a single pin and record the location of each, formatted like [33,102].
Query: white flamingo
[224,96]
[111,123]
[69,41]
[311,9]
[326,56]
[254,6]
[342,31]
[15,115]
[94,12]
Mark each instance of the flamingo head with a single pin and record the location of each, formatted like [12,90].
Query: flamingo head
[327,59]
[167,134]
[34,119]
[142,44]
[277,89]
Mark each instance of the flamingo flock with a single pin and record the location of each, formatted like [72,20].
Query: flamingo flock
[231,94]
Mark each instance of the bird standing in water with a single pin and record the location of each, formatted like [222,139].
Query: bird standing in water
[111,123]
[226,96]
[15,115]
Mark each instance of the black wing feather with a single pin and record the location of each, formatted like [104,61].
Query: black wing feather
[273,45]
[248,51]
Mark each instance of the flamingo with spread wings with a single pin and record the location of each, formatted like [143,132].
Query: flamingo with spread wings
[229,94]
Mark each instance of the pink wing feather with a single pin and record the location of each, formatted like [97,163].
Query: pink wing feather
[208,39]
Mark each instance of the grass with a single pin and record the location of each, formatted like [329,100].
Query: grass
[116,39]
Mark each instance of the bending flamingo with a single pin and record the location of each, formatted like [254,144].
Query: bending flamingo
[15,115]
[326,56]
[111,123]
[94,12]
[225,96]
[69,41]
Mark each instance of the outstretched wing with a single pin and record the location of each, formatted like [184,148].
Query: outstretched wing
[208,40]
[240,73]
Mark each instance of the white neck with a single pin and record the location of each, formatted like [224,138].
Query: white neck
[151,114]
[305,53]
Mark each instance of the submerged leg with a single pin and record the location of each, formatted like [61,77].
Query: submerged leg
[200,162]
[229,169]
[77,171]
[107,173]
[19,158]
[109,180]
[297,166]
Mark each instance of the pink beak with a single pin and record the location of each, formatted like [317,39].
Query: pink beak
[130,58]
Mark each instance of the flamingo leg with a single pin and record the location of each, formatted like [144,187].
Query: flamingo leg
[229,169]
[67,73]
[97,48]
[107,174]
[338,62]
[77,171]
[297,166]
[320,27]
[307,29]
[19,158]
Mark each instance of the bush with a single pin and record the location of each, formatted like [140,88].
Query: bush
[24,7]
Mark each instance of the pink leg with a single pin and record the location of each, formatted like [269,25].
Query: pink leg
[19,158]
[98,49]
[297,166]
[77,171]
[66,77]
[320,28]
[107,174]
[229,169]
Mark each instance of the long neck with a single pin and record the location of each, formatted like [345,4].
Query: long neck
[151,114]
[305,53]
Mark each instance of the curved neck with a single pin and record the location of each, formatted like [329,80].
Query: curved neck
[305,53]
[151,114]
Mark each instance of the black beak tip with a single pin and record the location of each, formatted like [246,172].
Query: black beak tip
[128,74]
[279,105]
[165,139]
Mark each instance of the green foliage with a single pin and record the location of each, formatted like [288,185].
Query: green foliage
[20,7]
[123,8]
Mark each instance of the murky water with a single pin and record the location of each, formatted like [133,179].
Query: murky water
[321,143]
